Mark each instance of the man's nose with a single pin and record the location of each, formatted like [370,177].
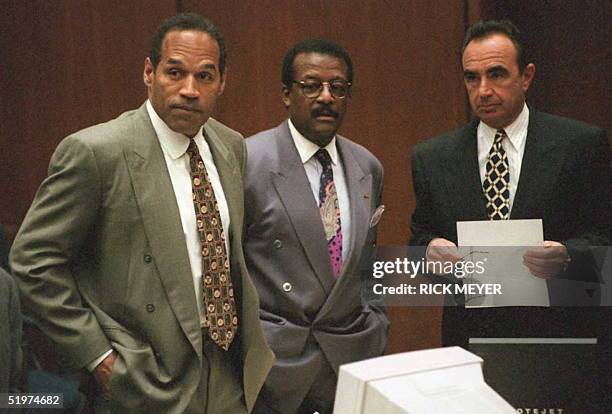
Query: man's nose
[484,88]
[325,95]
[189,88]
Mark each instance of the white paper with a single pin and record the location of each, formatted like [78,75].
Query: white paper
[503,243]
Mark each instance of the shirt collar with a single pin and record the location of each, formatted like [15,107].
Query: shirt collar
[173,143]
[307,148]
[516,131]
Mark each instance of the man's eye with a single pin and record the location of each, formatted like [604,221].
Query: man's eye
[311,87]
[206,76]
[339,88]
[173,73]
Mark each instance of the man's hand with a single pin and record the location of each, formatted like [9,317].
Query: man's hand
[545,262]
[442,250]
[102,373]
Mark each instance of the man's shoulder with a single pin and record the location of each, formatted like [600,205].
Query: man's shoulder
[562,127]
[446,141]
[361,154]
[261,145]
[267,135]
[223,130]
[113,134]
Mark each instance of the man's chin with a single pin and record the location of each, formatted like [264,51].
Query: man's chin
[492,119]
[188,127]
[189,131]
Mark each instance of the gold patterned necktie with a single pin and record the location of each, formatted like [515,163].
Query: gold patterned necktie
[220,314]
[496,185]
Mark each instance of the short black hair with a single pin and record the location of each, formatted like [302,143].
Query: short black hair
[187,21]
[486,28]
[317,45]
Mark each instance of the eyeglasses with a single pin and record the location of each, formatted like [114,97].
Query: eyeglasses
[312,88]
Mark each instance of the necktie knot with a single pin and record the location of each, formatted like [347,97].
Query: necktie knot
[323,156]
[192,149]
[499,136]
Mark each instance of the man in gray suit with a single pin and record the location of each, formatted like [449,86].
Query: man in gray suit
[130,258]
[313,204]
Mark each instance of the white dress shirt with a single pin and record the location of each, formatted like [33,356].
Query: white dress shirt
[307,149]
[514,146]
[174,146]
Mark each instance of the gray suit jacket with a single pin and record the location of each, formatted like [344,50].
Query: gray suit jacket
[306,316]
[11,357]
[101,261]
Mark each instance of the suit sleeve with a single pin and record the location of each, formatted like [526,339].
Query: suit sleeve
[48,246]
[421,227]
[15,340]
[594,212]
[597,205]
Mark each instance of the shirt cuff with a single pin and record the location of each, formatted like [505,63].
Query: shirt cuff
[92,365]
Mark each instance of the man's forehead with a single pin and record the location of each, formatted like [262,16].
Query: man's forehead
[179,43]
[314,62]
[494,50]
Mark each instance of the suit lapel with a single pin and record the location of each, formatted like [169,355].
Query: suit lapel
[162,225]
[463,177]
[359,186]
[541,164]
[230,177]
[294,190]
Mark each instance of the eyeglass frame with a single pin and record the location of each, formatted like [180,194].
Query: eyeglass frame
[302,84]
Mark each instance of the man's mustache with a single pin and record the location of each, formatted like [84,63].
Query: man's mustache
[323,111]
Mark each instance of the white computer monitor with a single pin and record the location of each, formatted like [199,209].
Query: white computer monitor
[441,381]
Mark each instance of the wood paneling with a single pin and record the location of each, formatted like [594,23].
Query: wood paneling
[65,65]
[569,41]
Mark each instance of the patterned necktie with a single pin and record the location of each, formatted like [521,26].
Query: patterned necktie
[330,212]
[496,185]
[220,315]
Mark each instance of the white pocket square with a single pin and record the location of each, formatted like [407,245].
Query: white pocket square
[377,215]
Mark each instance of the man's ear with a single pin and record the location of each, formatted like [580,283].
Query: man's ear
[148,72]
[528,76]
[285,95]
[223,80]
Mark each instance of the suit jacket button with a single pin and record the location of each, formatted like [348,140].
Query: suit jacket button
[287,287]
[147,258]
[150,307]
[277,244]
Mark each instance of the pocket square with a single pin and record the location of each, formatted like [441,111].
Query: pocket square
[377,215]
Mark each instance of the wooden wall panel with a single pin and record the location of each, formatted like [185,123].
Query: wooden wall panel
[65,65]
[407,87]
[569,41]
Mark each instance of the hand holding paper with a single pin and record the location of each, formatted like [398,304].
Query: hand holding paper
[547,261]
[442,250]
